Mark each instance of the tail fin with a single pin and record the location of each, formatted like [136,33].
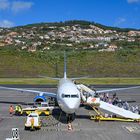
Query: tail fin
[65,66]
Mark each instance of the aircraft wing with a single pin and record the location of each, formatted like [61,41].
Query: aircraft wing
[117,89]
[30,91]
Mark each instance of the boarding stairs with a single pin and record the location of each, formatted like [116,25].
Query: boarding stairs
[104,105]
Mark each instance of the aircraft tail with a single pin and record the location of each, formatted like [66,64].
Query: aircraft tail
[65,66]
[65,72]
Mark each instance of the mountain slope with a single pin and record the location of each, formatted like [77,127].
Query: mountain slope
[93,49]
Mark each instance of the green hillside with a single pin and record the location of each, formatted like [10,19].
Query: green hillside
[93,50]
[122,63]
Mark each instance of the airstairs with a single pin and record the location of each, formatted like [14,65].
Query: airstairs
[118,111]
[92,100]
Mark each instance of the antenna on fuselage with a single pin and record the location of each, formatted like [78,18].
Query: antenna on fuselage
[65,66]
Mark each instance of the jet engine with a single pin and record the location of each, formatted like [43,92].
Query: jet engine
[40,99]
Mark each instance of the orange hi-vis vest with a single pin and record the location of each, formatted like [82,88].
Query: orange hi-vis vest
[11,109]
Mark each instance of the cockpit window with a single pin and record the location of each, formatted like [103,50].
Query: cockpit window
[70,96]
[65,96]
[74,96]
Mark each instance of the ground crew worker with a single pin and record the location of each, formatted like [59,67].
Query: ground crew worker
[19,110]
[16,110]
[11,110]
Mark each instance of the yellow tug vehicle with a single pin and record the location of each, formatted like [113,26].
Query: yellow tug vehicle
[42,110]
[33,122]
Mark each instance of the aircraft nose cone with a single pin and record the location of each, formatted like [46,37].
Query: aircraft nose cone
[72,105]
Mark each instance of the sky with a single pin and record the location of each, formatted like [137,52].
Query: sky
[118,13]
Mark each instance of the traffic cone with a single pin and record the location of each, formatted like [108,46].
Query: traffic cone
[69,126]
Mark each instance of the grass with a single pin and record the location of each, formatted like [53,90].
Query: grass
[19,64]
[88,81]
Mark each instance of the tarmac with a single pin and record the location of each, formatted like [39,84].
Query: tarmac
[57,129]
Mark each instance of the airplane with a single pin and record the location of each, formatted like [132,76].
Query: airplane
[68,95]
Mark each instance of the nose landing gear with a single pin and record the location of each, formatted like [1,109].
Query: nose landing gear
[70,117]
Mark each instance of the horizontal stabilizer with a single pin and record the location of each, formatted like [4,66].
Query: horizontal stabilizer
[51,78]
[78,78]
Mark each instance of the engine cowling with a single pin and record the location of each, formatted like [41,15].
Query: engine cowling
[40,99]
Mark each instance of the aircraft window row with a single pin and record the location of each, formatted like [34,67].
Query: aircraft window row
[70,96]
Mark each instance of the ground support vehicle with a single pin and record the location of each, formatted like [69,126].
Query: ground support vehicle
[33,122]
[42,109]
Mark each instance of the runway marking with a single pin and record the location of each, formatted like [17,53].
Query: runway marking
[61,127]
[132,129]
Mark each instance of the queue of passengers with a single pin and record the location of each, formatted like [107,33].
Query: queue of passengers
[117,102]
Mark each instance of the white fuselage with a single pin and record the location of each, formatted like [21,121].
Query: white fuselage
[68,96]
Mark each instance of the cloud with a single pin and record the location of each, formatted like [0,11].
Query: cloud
[6,24]
[18,6]
[15,6]
[119,21]
[4,4]
[133,1]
